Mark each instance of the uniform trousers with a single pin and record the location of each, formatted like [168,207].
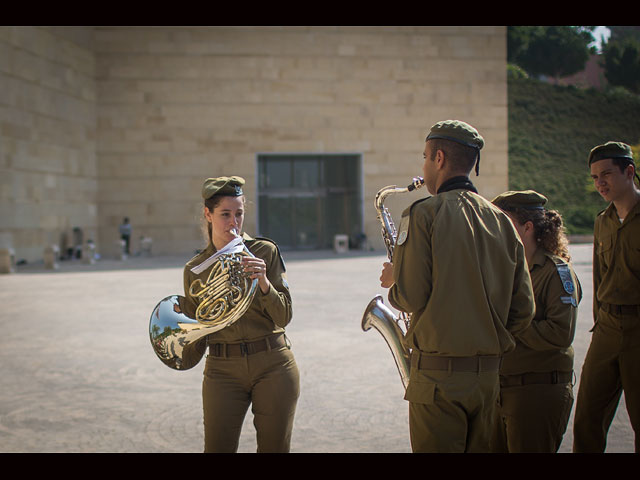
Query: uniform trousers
[610,366]
[451,412]
[532,418]
[269,381]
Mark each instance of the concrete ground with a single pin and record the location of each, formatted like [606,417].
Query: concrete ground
[79,373]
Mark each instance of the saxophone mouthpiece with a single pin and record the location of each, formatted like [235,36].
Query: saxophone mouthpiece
[417,183]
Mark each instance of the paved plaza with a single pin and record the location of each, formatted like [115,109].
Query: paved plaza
[79,373]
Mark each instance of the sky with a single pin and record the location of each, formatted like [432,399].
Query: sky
[600,32]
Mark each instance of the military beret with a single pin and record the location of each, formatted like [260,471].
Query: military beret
[611,150]
[526,199]
[457,131]
[460,132]
[231,186]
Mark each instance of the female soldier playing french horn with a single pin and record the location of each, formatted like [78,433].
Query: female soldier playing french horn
[249,362]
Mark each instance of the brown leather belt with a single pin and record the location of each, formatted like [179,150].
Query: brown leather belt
[545,378]
[479,363]
[247,348]
[621,309]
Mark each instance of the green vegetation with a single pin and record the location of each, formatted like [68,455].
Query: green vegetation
[551,131]
[621,58]
[553,50]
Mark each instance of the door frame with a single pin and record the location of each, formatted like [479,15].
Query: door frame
[259,155]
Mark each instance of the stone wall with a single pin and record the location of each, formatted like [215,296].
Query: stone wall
[48,168]
[177,105]
[98,124]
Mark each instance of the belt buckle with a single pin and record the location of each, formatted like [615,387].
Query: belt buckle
[244,349]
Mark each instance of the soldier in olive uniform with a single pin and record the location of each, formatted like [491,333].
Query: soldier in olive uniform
[459,269]
[249,361]
[612,362]
[536,379]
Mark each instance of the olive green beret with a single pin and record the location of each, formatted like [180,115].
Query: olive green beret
[457,131]
[526,199]
[460,132]
[611,150]
[231,186]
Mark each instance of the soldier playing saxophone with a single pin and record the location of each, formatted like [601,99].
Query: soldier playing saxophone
[459,269]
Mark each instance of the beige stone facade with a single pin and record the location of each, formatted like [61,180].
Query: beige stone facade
[99,123]
[48,166]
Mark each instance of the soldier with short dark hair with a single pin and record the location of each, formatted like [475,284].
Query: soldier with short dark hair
[611,365]
[459,269]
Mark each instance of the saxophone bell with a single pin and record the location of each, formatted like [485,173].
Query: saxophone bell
[380,317]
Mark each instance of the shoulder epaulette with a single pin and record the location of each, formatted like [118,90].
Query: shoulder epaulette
[193,259]
[407,210]
[420,200]
[277,250]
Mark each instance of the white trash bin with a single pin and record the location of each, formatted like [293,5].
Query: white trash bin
[341,243]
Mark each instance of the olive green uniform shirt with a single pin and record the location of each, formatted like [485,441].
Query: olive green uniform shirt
[268,313]
[616,258]
[460,270]
[611,363]
[545,346]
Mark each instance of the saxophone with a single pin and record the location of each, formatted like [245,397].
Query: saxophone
[377,314]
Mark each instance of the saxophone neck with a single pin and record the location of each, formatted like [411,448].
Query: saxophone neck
[384,192]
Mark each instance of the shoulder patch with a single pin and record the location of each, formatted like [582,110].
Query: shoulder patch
[567,284]
[403,229]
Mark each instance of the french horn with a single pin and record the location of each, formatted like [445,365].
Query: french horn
[176,338]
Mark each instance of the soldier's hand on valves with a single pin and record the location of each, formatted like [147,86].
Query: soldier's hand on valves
[386,278]
[257,268]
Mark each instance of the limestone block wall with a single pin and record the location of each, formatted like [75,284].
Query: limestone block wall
[99,123]
[48,168]
[177,105]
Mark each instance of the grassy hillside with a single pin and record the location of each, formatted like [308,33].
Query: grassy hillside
[551,131]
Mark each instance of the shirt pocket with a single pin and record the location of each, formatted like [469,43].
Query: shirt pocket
[630,248]
[604,249]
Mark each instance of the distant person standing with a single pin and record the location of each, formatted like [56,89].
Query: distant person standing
[77,242]
[611,364]
[125,234]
